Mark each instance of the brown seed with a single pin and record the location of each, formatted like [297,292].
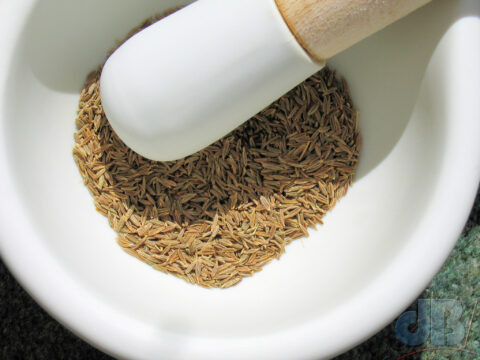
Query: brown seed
[222,213]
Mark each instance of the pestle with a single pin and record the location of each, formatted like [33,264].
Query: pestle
[191,78]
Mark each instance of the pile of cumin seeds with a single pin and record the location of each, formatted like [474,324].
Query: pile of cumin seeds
[221,214]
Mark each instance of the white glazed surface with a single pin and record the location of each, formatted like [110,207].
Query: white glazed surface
[416,84]
[185,82]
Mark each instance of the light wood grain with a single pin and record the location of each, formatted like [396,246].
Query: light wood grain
[326,27]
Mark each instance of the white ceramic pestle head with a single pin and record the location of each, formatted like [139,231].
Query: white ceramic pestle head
[191,78]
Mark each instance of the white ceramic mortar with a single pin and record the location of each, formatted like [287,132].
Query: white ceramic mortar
[416,84]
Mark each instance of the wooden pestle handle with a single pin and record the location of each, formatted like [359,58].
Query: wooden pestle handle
[326,27]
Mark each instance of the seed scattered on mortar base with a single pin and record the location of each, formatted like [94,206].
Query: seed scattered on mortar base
[224,212]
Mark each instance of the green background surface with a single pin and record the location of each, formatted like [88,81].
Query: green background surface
[27,332]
